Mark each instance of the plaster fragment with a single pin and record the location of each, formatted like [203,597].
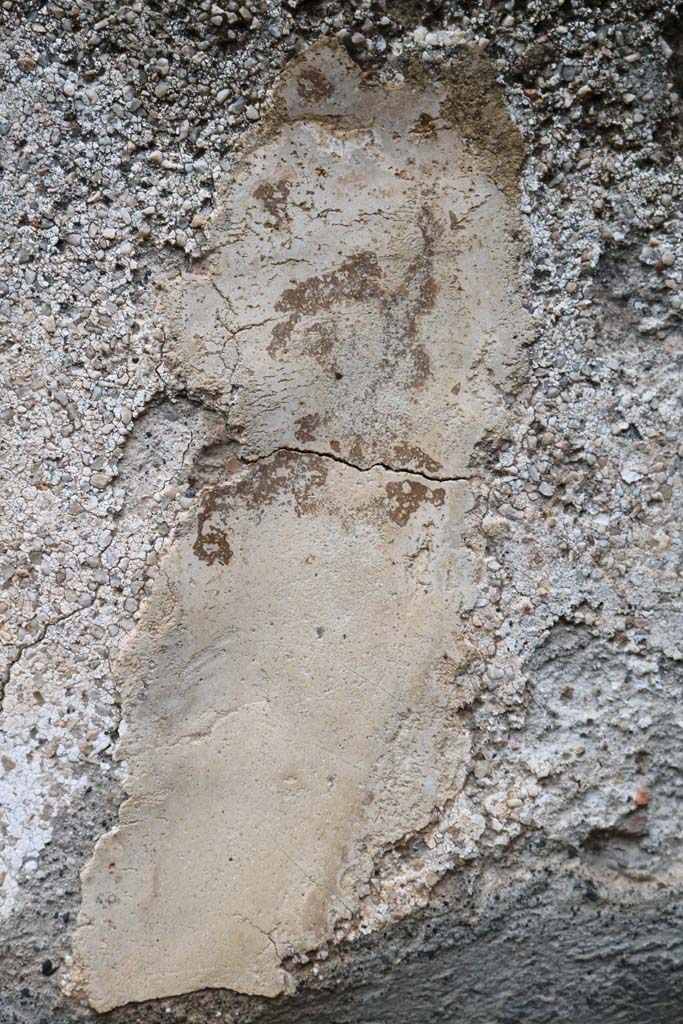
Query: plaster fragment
[289,714]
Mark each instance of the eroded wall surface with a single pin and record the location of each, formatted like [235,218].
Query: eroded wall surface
[362,294]
[290,691]
[264,274]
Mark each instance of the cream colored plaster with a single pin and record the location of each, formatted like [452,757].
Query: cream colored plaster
[262,695]
[361,295]
[289,691]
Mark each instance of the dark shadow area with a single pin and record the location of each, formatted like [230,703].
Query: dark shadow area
[560,953]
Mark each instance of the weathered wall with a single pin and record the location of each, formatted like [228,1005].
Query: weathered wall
[341,427]
[290,691]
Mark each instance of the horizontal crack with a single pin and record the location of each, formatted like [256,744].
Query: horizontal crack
[400,470]
[202,402]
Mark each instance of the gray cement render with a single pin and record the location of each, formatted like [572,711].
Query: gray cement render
[115,132]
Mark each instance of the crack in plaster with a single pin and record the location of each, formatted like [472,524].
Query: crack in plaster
[398,470]
[330,554]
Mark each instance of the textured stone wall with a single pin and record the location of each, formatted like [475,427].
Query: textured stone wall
[340,544]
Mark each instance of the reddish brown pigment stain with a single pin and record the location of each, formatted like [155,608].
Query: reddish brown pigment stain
[211,544]
[359,278]
[312,86]
[273,195]
[286,474]
[411,454]
[406,497]
[307,426]
[424,125]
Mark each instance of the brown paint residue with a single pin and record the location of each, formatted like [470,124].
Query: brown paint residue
[283,475]
[415,296]
[313,86]
[359,278]
[307,427]
[356,279]
[289,474]
[405,454]
[424,125]
[406,497]
[320,341]
[273,195]
[211,544]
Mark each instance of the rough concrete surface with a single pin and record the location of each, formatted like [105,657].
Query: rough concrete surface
[340,546]
[268,693]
